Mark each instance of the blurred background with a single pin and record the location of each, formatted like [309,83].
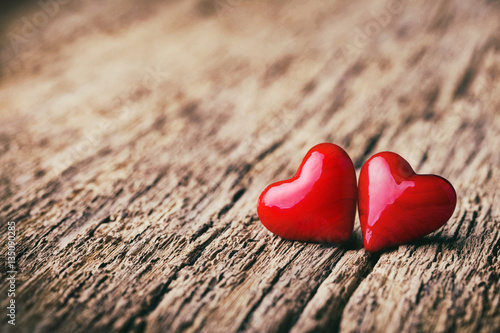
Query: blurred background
[73,65]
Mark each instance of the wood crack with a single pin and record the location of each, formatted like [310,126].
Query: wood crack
[276,278]
[370,145]
[374,258]
[288,324]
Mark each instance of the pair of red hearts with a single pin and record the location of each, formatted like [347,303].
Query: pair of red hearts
[318,204]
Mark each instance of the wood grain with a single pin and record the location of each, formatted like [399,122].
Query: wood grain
[135,138]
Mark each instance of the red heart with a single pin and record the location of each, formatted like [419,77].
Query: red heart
[396,205]
[318,203]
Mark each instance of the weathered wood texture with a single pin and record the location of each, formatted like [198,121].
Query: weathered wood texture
[135,138]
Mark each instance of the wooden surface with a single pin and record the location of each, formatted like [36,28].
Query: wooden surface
[135,138]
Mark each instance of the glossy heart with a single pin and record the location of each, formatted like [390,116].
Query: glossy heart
[318,203]
[396,205]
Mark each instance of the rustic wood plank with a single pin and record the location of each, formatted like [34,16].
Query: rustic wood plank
[136,137]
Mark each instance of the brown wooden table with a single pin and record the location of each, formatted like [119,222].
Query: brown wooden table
[136,137]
